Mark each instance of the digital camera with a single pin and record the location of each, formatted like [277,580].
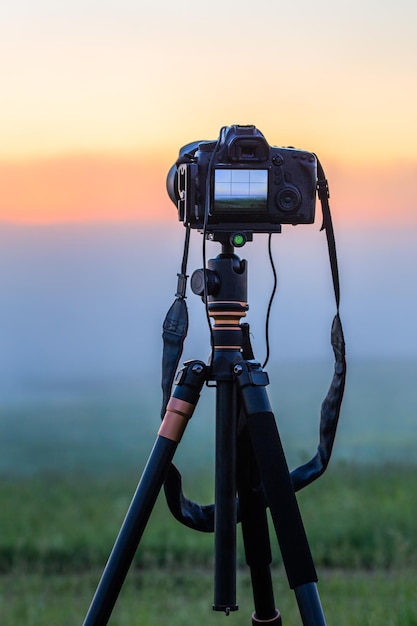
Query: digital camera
[240,181]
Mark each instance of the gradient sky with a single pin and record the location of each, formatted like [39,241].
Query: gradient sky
[97,97]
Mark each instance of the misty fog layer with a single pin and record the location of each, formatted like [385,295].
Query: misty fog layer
[87,302]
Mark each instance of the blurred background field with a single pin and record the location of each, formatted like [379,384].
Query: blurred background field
[71,456]
[109,425]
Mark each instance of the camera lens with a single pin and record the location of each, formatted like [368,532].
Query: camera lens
[288,198]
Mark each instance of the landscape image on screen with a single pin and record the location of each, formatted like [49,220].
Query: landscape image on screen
[240,190]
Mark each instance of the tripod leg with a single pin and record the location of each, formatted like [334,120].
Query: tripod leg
[255,533]
[225,517]
[279,491]
[179,410]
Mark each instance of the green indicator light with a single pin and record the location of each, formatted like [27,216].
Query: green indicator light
[239,240]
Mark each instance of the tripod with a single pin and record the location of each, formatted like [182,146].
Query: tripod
[251,472]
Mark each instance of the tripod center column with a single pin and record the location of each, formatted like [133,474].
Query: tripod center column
[226,306]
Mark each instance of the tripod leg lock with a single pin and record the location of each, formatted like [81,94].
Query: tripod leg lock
[251,380]
[181,404]
[251,373]
[274,620]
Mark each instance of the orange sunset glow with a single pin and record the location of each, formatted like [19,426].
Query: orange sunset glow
[87,188]
[80,188]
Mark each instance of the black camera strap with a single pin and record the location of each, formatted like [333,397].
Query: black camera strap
[175,328]
[200,517]
[330,408]
[324,195]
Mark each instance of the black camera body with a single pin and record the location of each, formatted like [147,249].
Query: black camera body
[240,182]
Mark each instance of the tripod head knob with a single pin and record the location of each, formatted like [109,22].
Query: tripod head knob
[212,282]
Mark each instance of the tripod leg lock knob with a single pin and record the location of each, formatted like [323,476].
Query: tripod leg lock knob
[251,381]
[251,373]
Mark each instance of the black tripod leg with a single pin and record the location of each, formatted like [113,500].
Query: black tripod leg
[225,516]
[252,507]
[279,491]
[179,410]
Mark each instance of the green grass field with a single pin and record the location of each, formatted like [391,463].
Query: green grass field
[57,531]
[183,597]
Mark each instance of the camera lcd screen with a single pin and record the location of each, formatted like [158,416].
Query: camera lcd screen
[240,191]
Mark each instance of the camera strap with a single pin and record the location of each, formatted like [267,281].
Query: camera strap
[330,408]
[174,329]
[201,517]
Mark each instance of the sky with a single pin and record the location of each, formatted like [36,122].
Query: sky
[96,99]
